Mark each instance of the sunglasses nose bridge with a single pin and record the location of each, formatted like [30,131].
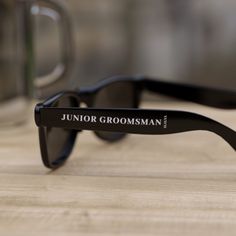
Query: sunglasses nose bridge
[138,92]
[86,96]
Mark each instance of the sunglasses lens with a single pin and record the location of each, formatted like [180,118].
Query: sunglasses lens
[116,95]
[60,141]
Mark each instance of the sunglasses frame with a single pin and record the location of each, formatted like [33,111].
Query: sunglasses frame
[48,116]
[43,133]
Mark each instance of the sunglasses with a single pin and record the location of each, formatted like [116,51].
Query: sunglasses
[112,112]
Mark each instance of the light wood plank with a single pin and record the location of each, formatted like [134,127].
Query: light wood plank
[145,185]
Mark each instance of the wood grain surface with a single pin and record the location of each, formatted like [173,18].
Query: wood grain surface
[182,184]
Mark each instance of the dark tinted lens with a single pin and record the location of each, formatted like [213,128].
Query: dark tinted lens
[116,95]
[60,141]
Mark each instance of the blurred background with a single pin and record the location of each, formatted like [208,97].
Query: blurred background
[184,40]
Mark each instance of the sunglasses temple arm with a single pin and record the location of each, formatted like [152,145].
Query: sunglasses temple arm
[134,121]
[218,98]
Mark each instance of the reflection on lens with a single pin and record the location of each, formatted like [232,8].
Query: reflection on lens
[116,95]
[60,141]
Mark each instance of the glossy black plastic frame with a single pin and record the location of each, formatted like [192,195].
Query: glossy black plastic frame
[158,122]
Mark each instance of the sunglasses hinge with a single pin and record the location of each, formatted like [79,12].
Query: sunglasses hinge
[37,115]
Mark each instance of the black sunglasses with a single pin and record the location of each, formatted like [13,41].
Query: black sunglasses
[112,113]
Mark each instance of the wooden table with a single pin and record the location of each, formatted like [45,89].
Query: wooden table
[181,184]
